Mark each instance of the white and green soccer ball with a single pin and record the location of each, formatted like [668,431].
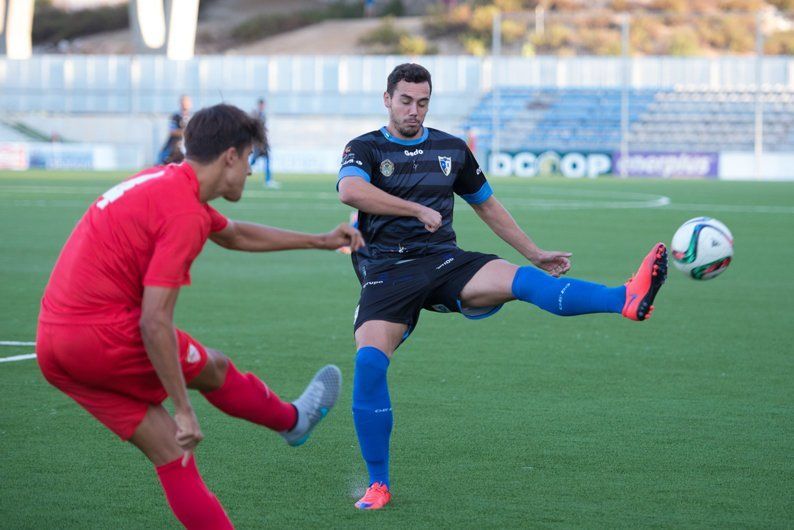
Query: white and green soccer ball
[702,248]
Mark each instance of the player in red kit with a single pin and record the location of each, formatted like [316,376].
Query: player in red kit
[106,335]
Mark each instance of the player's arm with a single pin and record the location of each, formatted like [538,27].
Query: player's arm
[159,339]
[360,194]
[503,225]
[175,126]
[252,237]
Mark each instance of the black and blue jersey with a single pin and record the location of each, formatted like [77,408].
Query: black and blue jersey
[426,170]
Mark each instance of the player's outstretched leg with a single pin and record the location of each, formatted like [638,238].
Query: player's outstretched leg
[641,288]
[568,296]
[315,402]
[248,397]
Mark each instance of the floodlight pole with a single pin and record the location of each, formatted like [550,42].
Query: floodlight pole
[496,52]
[759,103]
[16,26]
[624,94]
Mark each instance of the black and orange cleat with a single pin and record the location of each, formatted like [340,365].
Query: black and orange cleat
[641,288]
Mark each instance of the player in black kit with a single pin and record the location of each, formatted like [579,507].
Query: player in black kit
[402,179]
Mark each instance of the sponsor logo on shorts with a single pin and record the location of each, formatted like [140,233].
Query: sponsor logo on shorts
[355,314]
[450,260]
[378,282]
[193,355]
[387,168]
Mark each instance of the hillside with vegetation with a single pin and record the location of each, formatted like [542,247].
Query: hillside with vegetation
[411,27]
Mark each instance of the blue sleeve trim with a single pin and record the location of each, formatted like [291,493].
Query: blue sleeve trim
[352,171]
[480,196]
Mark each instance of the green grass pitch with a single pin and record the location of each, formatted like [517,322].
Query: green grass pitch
[520,420]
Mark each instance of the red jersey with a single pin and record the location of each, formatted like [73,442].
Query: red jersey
[146,230]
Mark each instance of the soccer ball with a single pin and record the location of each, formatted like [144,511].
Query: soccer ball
[702,248]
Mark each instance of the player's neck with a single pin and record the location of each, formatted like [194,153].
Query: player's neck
[208,180]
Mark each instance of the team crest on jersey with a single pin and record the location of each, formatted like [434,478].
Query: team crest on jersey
[446,164]
[387,168]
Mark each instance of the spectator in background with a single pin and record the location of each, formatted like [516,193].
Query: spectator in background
[263,151]
[369,8]
[173,151]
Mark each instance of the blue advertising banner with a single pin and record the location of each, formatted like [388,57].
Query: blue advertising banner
[667,165]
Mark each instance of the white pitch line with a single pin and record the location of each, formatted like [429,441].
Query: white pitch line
[620,200]
[17,358]
[735,208]
[15,343]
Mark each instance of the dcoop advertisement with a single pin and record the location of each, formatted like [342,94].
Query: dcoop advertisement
[594,164]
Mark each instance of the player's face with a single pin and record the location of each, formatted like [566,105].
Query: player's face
[237,170]
[407,108]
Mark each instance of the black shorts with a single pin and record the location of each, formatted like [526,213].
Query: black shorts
[396,291]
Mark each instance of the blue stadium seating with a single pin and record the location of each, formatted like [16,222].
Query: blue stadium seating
[588,119]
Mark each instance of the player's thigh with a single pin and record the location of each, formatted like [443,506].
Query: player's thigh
[156,436]
[380,334]
[491,285]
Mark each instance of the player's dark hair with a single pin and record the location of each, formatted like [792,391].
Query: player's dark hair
[410,72]
[213,130]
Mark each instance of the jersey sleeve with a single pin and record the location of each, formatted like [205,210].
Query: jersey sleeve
[218,221]
[356,162]
[179,241]
[470,183]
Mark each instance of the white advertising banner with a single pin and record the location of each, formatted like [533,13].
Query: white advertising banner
[741,166]
[13,156]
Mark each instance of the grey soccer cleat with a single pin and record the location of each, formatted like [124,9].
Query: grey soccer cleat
[314,404]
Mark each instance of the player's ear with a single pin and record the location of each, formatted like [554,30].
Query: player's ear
[386,100]
[230,156]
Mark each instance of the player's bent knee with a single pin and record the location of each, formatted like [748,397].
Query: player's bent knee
[213,375]
[155,436]
[385,336]
[220,364]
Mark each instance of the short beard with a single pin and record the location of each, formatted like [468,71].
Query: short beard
[409,133]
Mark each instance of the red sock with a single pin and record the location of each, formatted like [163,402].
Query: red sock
[193,504]
[246,396]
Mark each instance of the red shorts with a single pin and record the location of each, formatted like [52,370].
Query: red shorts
[105,369]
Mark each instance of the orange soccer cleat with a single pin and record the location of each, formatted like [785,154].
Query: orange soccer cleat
[376,497]
[641,288]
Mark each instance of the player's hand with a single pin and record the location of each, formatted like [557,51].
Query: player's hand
[430,218]
[554,262]
[343,235]
[188,432]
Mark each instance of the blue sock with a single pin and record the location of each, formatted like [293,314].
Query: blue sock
[566,296]
[372,414]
